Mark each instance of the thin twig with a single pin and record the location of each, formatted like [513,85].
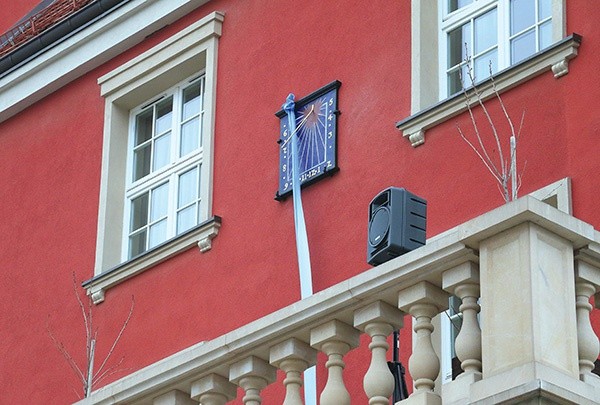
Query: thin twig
[488,116]
[118,337]
[87,318]
[506,175]
[89,378]
[490,162]
[492,169]
[61,348]
[512,128]
[110,371]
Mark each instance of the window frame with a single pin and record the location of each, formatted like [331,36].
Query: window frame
[169,173]
[183,55]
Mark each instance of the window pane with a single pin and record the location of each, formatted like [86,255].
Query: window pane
[190,136]
[522,46]
[454,5]
[186,218]
[158,233]
[188,187]
[459,41]
[486,31]
[164,115]
[522,15]
[545,9]
[454,81]
[160,202]
[484,63]
[191,101]
[162,151]
[139,212]
[545,35]
[143,127]
[137,244]
[141,162]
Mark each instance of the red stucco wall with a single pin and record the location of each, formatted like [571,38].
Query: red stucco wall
[50,166]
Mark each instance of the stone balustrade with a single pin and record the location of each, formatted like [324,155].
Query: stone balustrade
[524,273]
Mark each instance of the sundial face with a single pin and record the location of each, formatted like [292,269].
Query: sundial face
[316,131]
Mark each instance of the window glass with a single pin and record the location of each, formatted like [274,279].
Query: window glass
[188,187]
[164,115]
[459,43]
[522,15]
[139,218]
[158,233]
[486,31]
[545,10]
[191,134]
[485,65]
[454,5]
[188,199]
[137,243]
[191,101]
[162,152]
[142,161]
[160,202]
[545,34]
[522,46]
[143,127]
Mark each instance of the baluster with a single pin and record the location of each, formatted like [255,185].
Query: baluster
[252,374]
[463,281]
[587,281]
[174,397]
[378,320]
[423,301]
[293,357]
[335,339]
[213,389]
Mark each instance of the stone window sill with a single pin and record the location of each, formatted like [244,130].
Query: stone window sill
[555,58]
[201,235]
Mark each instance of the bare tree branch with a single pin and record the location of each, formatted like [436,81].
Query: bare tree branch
[492,169]
[111,370]
[479,98]
[88,378]
[118,336]
[484,153]
[87,318]
[61,348]
[507,178]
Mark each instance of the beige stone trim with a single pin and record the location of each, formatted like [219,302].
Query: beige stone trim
[191,51]
[200,236]
[415,126]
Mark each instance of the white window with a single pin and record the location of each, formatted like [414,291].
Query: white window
[520,38]
[165,157]
[494,34]
[157,156]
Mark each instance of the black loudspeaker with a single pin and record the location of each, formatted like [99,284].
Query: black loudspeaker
[397,224]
